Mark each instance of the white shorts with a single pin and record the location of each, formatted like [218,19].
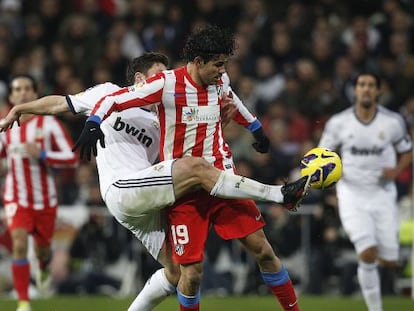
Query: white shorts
[136,202]
[370,218]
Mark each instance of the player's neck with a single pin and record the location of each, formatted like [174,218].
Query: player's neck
[365,114]
[192,71]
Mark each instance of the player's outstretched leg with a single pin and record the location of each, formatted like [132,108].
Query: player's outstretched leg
[193,171]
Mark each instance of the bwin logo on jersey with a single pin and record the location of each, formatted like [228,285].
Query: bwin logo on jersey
[366,151]
[131,130]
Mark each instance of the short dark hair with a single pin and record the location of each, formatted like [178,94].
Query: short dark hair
[209,42]
[143,63]
[26,76]
[368,73]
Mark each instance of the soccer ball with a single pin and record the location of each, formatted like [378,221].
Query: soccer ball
[324,166]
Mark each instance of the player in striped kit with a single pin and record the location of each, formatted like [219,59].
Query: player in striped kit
[29,194]
[369,137]
[189,100]
[135,191]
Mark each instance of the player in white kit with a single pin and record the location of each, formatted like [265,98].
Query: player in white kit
[375,147]
[134,189]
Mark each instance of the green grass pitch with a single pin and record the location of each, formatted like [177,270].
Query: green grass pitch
[245,303]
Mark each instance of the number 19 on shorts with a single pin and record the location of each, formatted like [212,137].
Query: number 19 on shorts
[179,234]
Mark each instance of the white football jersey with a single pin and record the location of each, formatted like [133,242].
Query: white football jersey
[366,148]
[131,136]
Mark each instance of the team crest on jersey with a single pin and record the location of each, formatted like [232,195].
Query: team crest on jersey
[136,86]
[155,124]
[179,249]
[381,135]
[158,167]
[219,90]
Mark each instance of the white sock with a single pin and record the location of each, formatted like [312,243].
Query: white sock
[156,289]
[369,282]
[232,186]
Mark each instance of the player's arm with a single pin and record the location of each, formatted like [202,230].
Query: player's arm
[404,146]
[139,95]
[53,104]
[246,119]
[330,138]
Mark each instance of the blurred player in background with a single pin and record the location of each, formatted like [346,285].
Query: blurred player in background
[32,150]
[375,148]
[189,100]
[128,180]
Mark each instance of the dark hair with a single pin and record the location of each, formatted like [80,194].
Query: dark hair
[368,73]
[26,76]
[208,43]
[143,63]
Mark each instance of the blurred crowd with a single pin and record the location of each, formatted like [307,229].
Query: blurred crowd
[293,67]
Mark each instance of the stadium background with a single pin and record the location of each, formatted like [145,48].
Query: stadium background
[293,67]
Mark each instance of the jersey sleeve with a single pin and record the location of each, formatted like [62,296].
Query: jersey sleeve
[401,139]
[84,102]
[58,145]
[138,95]
[242,116]
[330,135]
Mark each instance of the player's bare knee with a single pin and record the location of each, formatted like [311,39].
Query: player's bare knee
[193,274]
[198,165]
[262,251]
[172,273]
[194,167]
[369,255]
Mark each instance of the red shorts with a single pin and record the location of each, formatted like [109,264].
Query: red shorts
[39,223]
[191,216]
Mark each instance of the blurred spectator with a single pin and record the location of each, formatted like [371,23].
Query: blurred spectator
[361,33]
[93,248]
[269,84]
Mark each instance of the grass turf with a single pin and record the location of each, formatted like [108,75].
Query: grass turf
[245,303]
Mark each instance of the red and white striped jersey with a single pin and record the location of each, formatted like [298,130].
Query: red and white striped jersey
[189,114]
[30,182]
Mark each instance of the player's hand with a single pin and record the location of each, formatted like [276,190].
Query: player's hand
[262,142]
[389,173]
[228,109]
[87,140]
[33,150]
[8,121]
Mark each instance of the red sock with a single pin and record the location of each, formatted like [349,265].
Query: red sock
[286,295]
[21,278]
[192,308]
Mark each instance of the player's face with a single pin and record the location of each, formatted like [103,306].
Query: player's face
[22,91]
[366,91]
[211,71]
[155,68]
